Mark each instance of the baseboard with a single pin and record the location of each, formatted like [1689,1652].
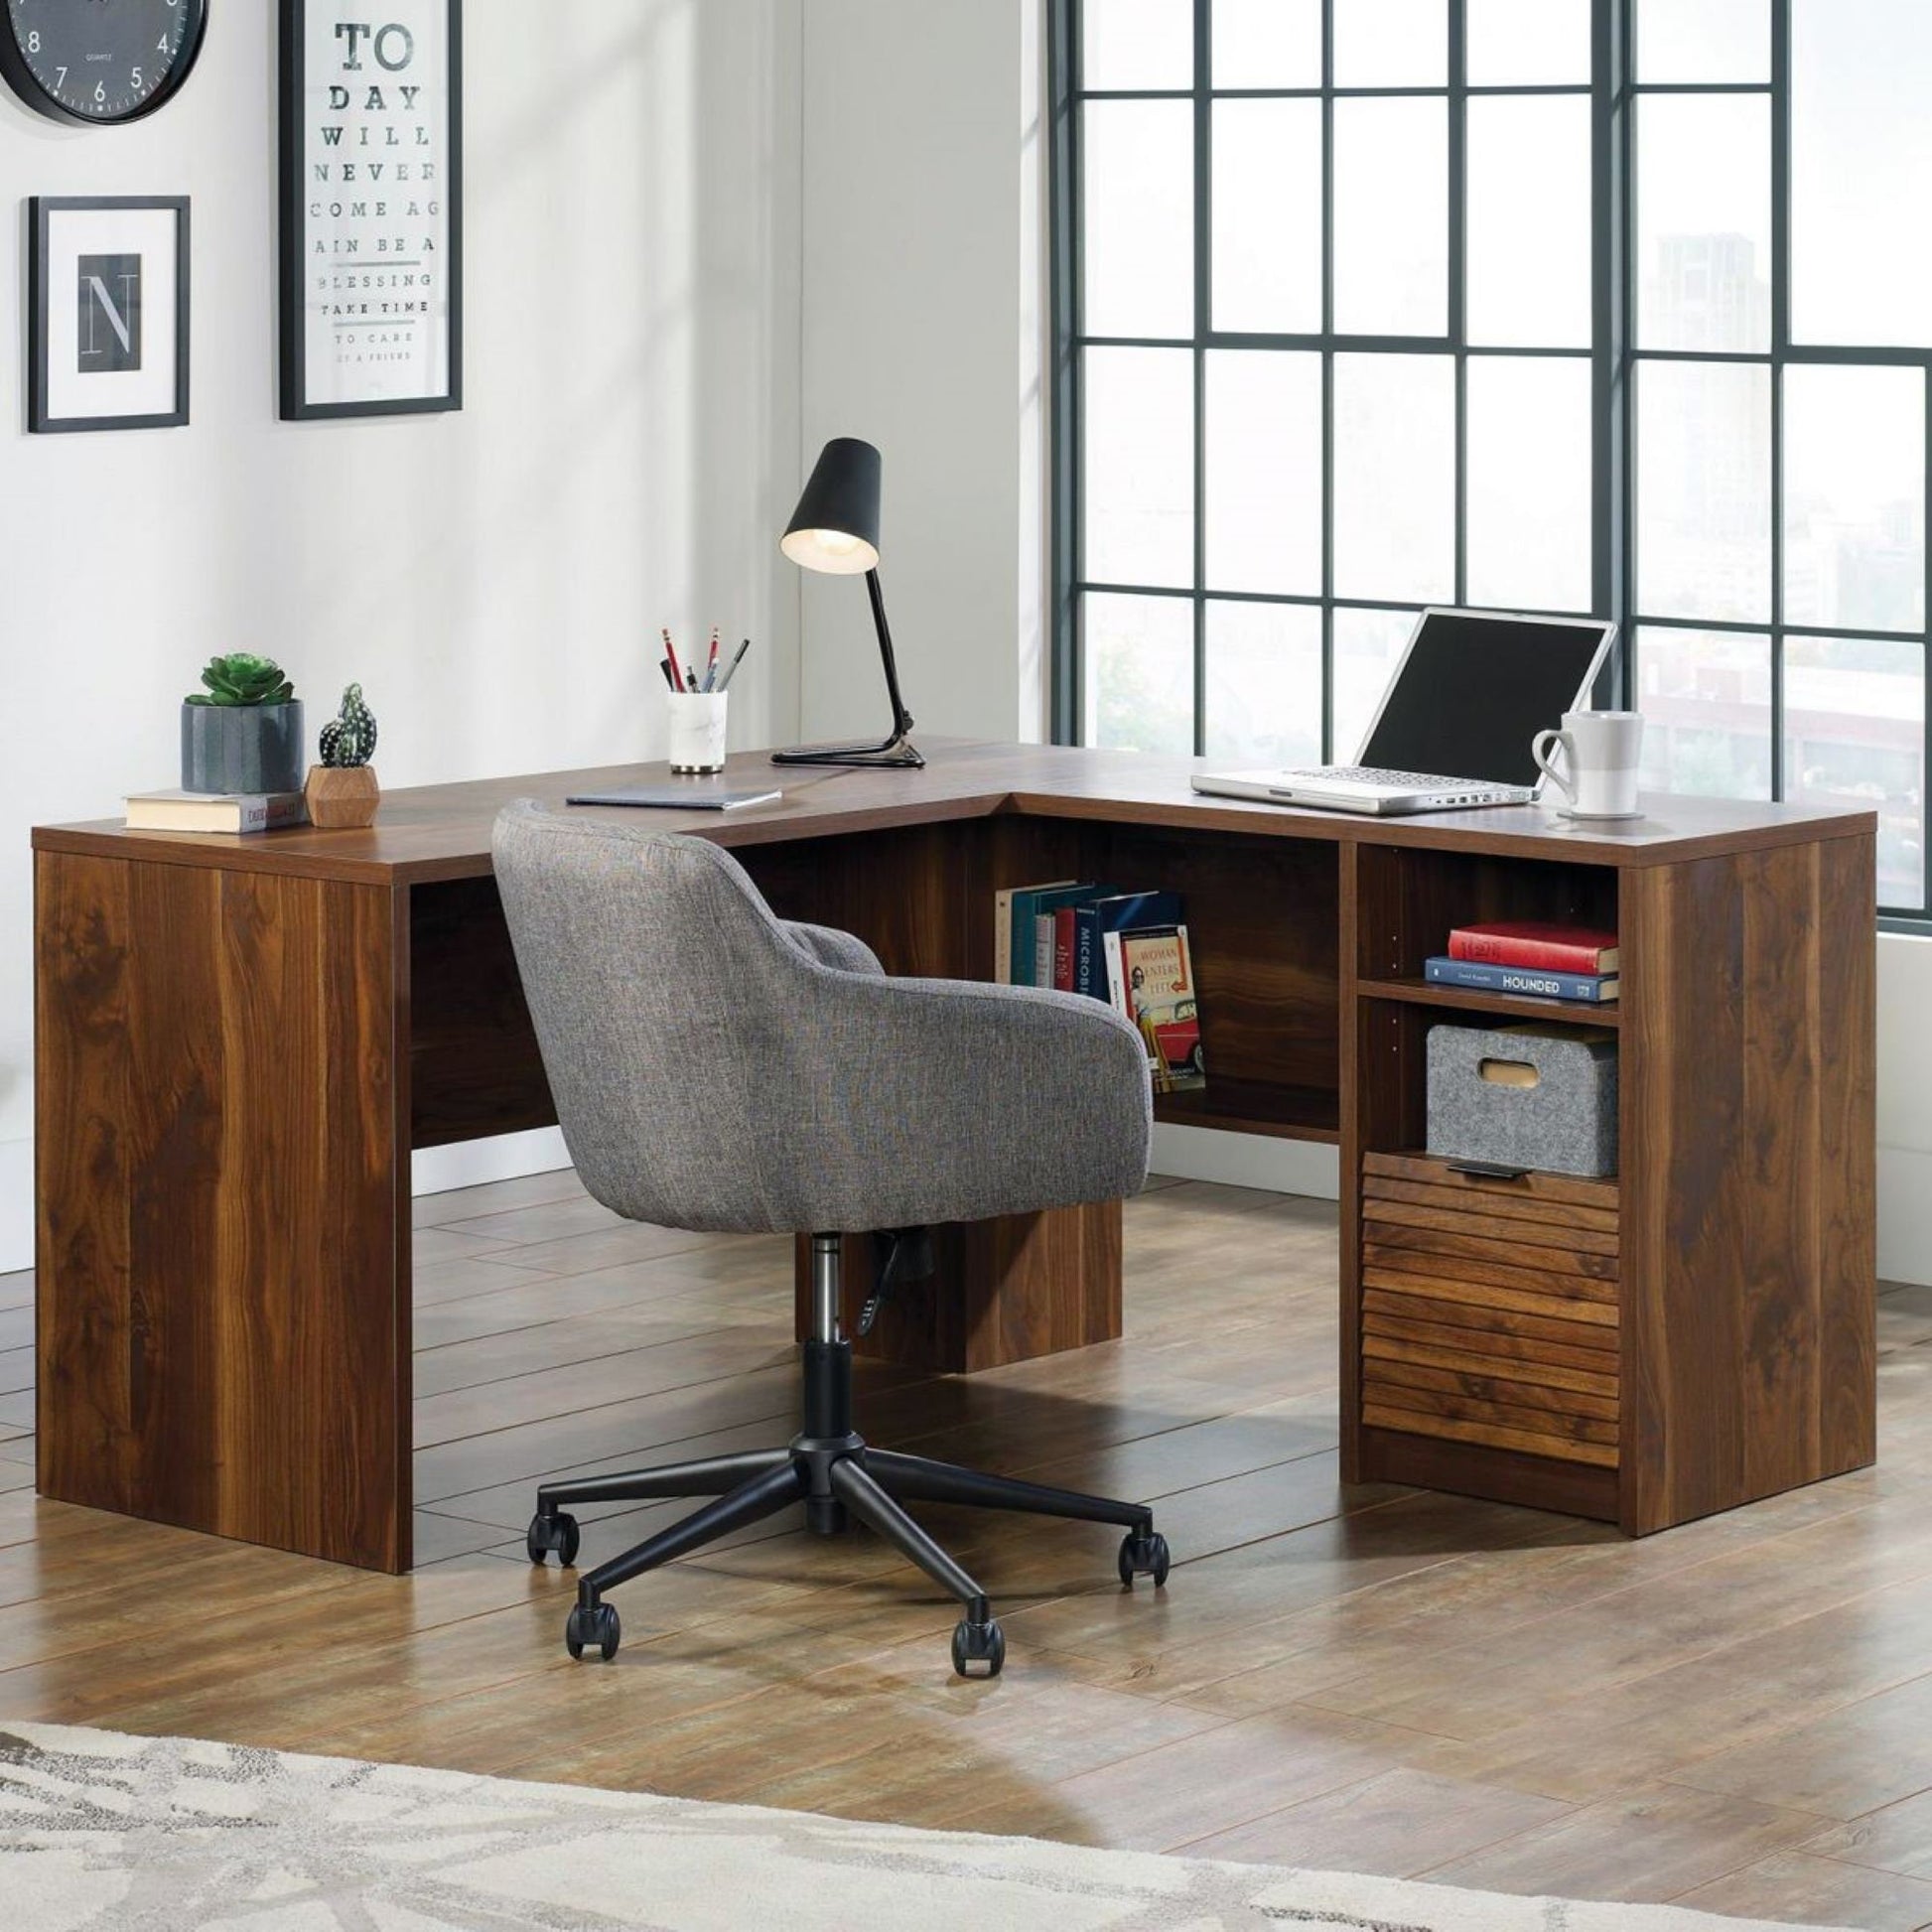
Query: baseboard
[505,1156]
[1247,1161]
[1905,1215]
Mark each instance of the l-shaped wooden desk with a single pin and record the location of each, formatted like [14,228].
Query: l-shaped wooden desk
[241,1041]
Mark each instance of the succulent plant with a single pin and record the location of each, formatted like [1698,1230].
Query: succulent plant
[242,678]
[349,739]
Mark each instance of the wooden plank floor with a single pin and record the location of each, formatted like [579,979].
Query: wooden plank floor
[1737,1713]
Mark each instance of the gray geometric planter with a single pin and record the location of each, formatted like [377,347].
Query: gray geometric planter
[241,747]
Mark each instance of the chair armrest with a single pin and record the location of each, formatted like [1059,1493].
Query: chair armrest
[828,946]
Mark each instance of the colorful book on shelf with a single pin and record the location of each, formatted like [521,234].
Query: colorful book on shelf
[1048,907]
[1536,942]
[1116,913]
[1522,982]
[215,811]
[1064,921]
[1156,969]
[1013,931]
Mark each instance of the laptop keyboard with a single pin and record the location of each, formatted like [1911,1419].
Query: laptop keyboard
[1374,774]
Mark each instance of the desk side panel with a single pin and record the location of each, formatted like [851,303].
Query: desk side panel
[1748,1133]
[222,1264]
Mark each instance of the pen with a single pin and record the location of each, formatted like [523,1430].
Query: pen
[670,655]
[731,667]
[711,663]
[664,665]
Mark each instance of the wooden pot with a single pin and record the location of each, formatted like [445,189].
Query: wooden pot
[342,796]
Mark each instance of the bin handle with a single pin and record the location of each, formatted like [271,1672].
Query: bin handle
[1509,1073]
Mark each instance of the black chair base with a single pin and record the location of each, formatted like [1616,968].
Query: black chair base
[837,1476]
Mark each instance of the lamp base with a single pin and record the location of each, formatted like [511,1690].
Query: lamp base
[898,752]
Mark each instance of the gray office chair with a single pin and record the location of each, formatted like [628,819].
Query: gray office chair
[715,1068]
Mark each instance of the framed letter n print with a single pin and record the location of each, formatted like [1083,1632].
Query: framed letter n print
[371,202]
[107,312]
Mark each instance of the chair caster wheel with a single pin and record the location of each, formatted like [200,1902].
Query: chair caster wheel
[597,1626]
[979,1643]
[1143,1555]
[548,1533]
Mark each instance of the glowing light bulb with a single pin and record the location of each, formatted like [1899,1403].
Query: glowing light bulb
[835,543]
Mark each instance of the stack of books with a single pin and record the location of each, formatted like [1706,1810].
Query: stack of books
[1528,956]
[215,811]
[1127,948]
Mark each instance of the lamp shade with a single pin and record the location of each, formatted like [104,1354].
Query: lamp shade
[835,527]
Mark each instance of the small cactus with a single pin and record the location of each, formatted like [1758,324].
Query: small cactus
[242,678]
[349,739]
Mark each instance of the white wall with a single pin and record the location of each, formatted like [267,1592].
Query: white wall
[921,199]
[1904,1108]
[628,450]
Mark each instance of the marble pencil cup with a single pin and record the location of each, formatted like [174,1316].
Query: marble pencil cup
[697,729]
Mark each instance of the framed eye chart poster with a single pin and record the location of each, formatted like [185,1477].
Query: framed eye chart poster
[371,206]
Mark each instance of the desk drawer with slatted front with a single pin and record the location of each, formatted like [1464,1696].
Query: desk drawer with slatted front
[1489,1308]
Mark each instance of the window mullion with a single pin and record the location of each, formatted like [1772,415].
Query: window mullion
[1459,329]
[1203,319]
[1780,348]
[1327,380]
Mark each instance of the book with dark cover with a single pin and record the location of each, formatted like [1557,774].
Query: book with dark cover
[1592,989]
[1021,931]
[1047,907]
[1536,942]
[1114,913]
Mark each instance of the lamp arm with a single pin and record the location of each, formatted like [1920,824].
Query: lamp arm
[897,749]
[902,718]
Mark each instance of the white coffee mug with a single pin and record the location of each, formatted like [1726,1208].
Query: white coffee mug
[697,729]
[1598,770]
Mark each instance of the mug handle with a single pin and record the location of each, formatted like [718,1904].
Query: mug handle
[1543,751]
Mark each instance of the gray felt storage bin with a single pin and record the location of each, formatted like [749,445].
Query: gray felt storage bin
[1531,1095]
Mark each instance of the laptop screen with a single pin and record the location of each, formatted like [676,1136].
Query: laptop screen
[1473,691]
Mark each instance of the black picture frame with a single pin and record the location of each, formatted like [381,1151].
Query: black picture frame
[42,212]
[293,223]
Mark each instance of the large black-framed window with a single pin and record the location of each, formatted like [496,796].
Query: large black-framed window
[1572,306]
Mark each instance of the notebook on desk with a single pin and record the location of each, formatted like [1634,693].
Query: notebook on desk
[674,798]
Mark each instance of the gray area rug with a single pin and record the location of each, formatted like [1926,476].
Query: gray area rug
[165,1835]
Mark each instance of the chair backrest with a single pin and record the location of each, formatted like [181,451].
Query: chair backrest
[657,979]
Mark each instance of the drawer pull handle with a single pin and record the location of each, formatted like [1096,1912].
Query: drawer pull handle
[1486,1170]
[1509,1073]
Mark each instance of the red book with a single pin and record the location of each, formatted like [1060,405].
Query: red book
[1063,920]
[1535,942]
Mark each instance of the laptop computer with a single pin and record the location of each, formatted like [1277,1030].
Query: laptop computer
[1453,730]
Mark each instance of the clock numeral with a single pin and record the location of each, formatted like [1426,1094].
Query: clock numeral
[34,41]
[134,79]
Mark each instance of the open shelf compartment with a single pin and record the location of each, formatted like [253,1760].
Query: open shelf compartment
[1409,897]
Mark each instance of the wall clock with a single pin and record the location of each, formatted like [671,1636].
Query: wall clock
[99,62]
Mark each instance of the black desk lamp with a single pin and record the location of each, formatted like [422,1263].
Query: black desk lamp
[835,528]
